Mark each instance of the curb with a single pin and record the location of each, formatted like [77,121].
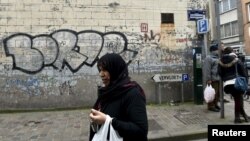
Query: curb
[185,137]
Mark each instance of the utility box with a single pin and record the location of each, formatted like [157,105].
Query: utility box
[197,70]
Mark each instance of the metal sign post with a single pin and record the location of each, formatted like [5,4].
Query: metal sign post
[185,77]
[161,78]
[217,8]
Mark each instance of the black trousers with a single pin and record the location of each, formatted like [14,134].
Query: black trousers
[238,100]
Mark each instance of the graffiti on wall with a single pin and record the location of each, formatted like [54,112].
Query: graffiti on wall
[152,57]
[197,4]
[156,37]
[29,86]
[30,54]
[34,86]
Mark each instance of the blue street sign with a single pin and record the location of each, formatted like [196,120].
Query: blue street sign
[202,26]
[194,15]
[185,77]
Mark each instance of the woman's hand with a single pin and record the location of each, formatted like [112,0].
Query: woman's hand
[97,116]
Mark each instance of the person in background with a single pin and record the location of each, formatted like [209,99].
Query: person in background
[212,77]
[222,47]
[120,98]
[227,71]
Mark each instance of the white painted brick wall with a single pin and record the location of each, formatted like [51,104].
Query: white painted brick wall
[89,13]
[35,17]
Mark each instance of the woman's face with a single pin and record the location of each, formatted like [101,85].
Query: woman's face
[105,76]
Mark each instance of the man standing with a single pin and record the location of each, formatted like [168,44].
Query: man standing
[212,77]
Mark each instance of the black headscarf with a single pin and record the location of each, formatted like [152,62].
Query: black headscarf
[115,65]
[119,79]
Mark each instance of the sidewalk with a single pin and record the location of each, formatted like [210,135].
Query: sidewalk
[182,122]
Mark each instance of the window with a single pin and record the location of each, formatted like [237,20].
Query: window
[226,5]
[229,29]
[222,32]
[248,11]
[235,28]
[220,7]
[167,18]
[233,4]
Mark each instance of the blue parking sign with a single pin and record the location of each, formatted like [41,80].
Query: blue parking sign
[202,26]
[185,77]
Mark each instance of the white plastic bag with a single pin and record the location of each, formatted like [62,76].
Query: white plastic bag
[209,93]
[114,136]
[102,133]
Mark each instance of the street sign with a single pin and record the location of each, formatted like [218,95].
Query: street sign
[202,26]
[194,15]
[185,77]
[170,77]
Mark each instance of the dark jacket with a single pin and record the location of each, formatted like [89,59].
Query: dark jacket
[227,70]
[128,111]
[211,67]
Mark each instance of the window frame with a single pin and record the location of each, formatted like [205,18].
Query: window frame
[231,32]
[226,4]
[248,11]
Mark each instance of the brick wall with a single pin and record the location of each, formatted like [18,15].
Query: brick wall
[49,48]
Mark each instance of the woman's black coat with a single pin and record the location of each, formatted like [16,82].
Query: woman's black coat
[129,114]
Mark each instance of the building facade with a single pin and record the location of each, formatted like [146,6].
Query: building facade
[246,24]
[49,48]
[230,24]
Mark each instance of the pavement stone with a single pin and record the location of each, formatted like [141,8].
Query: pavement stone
[186,121]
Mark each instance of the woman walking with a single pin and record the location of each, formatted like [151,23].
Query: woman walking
[120,98]
[227,67]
